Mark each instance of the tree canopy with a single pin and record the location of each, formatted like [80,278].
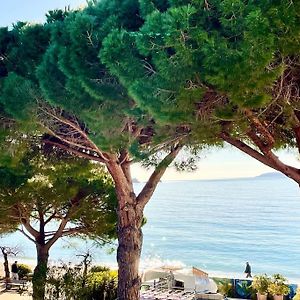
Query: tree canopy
[228,69]
[47,197]
[71,193]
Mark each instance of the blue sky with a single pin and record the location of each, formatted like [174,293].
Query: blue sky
[31,10]
[216,163]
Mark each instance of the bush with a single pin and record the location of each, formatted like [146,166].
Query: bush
[99,269]
[102,285]
[69,283]
[64,283]
[261,283]
[225,286]
[278,285]
[23,270]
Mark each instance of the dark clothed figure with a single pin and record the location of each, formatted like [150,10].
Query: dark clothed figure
[14,271]
[248,270]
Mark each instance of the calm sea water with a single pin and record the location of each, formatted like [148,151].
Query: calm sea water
[214,225]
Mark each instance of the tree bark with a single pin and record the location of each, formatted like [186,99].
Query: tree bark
[40,273]
[129,252]
[130,219]
[129,233]
[6,267]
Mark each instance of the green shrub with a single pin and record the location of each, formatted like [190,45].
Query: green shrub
[278,285]
[23,270]
[69,283]
[102,285]
[261,283]
[99,269]
[225,286]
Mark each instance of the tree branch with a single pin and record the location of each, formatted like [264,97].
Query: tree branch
[58,233]
[148,190]
[23,232]
[246,149]
[269,158]
[78,130]
[29,228]
[74,151]
[50,218]
[70,231]
[296,127]
[266,140]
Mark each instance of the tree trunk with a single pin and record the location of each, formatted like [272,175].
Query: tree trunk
[40,273]
[6,268]
[129,252]
[129,233]
[130,218]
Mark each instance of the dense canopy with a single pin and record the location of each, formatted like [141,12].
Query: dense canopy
[47,196]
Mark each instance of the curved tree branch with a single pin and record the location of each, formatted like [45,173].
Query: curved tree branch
[149,188]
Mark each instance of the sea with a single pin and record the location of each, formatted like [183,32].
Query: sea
[214,225]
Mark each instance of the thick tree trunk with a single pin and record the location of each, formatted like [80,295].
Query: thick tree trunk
[129,233]
[6,268]
[129,252]
[130,217]
[40,273]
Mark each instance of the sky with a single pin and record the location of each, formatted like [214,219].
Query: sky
[34,11]
[214,164]
[224,163]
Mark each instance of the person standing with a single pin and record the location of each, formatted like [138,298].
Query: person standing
[171,280]
[248,270]
[14,271]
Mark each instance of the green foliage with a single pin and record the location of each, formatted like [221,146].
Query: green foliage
[25,48]
[23,270]
[64,283]
[46,184]
[102,283]
[159,64]
[278,285]
[18,97]
[99,269]
[261,283]
[56,15]
[68,283]
[225,286]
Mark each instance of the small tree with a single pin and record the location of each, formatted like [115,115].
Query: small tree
[7,251]
[55,199]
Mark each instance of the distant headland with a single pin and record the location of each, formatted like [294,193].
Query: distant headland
[271,175]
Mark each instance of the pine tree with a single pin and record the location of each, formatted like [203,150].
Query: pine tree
[228,69]
[85,110]
[47,197]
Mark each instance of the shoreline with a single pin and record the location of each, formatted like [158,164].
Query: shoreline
[146,266]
